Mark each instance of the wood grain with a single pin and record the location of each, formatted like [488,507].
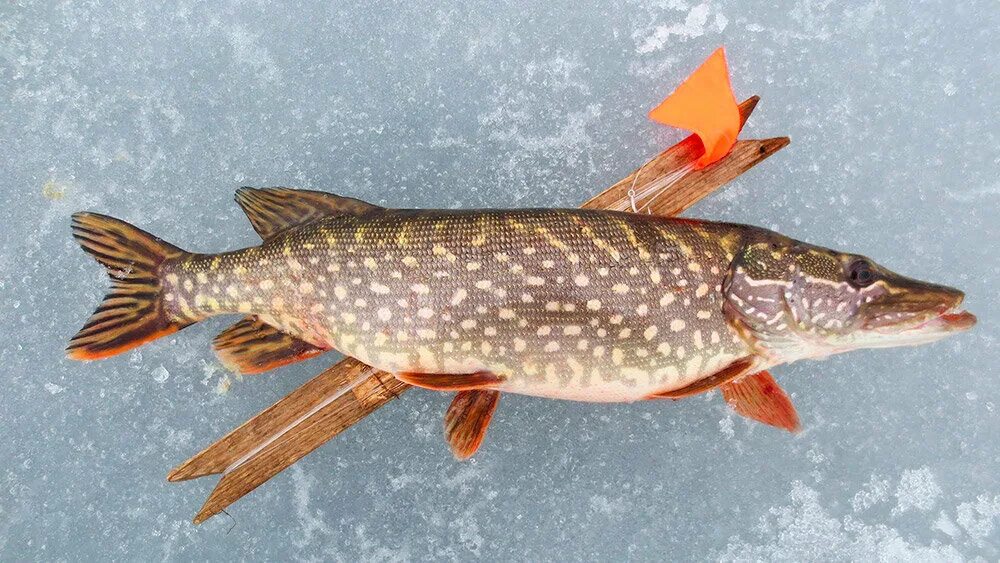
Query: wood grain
[296,425]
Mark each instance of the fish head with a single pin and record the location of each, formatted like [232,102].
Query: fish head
[795,300]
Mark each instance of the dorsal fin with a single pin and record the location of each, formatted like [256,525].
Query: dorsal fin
[273,210]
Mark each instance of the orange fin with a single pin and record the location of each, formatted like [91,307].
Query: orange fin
[759,397]
[725,375]
[252,346]
[273,210]
[452,381]
[705,105]
[467,419]
[133,313]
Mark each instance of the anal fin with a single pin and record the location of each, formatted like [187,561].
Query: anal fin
[452,381]
[467,419]
[759,397]
[252,346]
[723,376]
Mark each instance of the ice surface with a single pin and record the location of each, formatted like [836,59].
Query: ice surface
[156,114]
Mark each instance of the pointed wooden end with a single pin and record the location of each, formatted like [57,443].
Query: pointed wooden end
[773,145]
[746,108]
[205,513]
[187,470]
[220,498]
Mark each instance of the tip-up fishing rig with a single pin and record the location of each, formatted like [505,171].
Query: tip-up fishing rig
[349,391]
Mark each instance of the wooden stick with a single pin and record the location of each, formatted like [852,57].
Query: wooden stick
[348,391]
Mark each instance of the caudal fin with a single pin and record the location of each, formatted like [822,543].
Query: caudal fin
[133,312]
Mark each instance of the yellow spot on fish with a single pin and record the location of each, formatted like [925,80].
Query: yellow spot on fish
[420,288]
[619,288]
[519,345]
[702,290]
[704,314]
[581,280]
[667,299]
[572,330]
[410,261]
[552,346]
[484,284]
[650,332]
[663,348]
[544,330]
[507,314]
[265,285]
[534,280]
[677,325]
[305,288]
[425,313]
[459,296]
[594,304]
[340,292]
[370,263]
[693,366]
[384,314]
[473,266]
[617,356]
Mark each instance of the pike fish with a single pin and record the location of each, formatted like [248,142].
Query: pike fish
[584,305]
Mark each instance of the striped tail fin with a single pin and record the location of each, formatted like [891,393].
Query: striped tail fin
[133,312]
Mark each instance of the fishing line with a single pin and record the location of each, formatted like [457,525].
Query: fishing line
[652,190]
[331,398]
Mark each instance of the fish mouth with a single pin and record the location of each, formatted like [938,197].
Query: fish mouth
[936,313]
[952,320]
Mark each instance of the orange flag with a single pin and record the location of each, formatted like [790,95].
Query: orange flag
[705,105]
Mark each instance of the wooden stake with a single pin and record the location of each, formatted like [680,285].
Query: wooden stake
[348,391]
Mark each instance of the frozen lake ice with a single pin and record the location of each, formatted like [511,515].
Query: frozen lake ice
[157,114]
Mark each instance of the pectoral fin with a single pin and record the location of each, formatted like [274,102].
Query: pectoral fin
[759,397]
[452,382]
[252,346]
[724,375]
[467,419]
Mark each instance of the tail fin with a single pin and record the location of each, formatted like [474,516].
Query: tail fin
[133,313]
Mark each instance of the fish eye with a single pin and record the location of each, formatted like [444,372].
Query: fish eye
[860,273]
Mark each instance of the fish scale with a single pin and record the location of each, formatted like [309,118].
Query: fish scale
[573,304]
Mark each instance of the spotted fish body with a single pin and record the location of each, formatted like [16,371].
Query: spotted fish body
[571,304]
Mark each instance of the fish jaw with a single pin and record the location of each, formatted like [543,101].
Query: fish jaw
[939,316]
